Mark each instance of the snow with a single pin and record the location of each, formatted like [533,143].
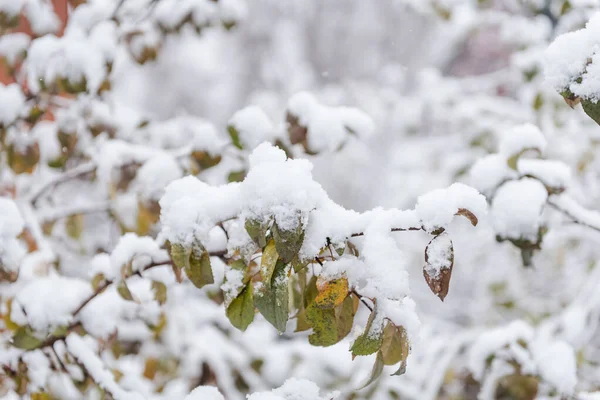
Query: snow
[491,341]
[589,396]
[568,59]
[41,17]
[172,13]
[109,312]
[38,368]
[233,10]
[439,255]
[45,133]
[556,364]
[11,222]
[184,131]
[294,389]
[155,174]
[575,210]
[489,172]
[233,283]
[328,127]
[205,393]
[436,209]
[521,138]
[49,302]
[517,207]
[11,7]
[13,45]
[115,153]
[253,125]
[50,59]
[554,174]
[284,189]
[140,251]
[13,102]
[190,209]
[81,350]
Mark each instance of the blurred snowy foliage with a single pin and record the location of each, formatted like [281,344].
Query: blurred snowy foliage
[218,199]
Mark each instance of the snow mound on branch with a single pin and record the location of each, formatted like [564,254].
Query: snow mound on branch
[12,45]
[327,126]
[554,174]
[13,102]
[156,173]
[49,302]
[521,138]
[572,61]
[140,251]
[489,172]
[253,125]
[517,207]
[205,393]
[489,342]
[294,389]
[72,58]
[437,208]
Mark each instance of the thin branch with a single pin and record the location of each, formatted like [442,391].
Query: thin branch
[74,173]
[53,214]
[99,290]
[577,213]
[412,228]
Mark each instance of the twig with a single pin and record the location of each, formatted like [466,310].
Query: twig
[99,290]
[576,212]
[412,228]
[74,173]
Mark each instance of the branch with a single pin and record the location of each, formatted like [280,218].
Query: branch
[412,228]
[577,213]
[99,290]
[53,214]
[74,173]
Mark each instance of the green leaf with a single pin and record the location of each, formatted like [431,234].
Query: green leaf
[344,316]
[288,242]
[371,339]
[273,301]
[514,159]
[323,322]
[97,280]
[592,110]
[519,387]
[180,255]
[241,310]
[25,339]
[199,269]
[376,371]
[124,291]
[234,134]
[330,325]
[236,176]
[160,292]
[395,346]
[268,262]
[302,322]
[257,230]
[401,370]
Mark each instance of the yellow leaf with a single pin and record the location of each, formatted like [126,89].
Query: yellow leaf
[331,293]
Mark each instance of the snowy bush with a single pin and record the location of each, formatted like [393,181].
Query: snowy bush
[220,199]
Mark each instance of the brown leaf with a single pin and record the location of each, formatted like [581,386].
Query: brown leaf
[439,260]
[469,215]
